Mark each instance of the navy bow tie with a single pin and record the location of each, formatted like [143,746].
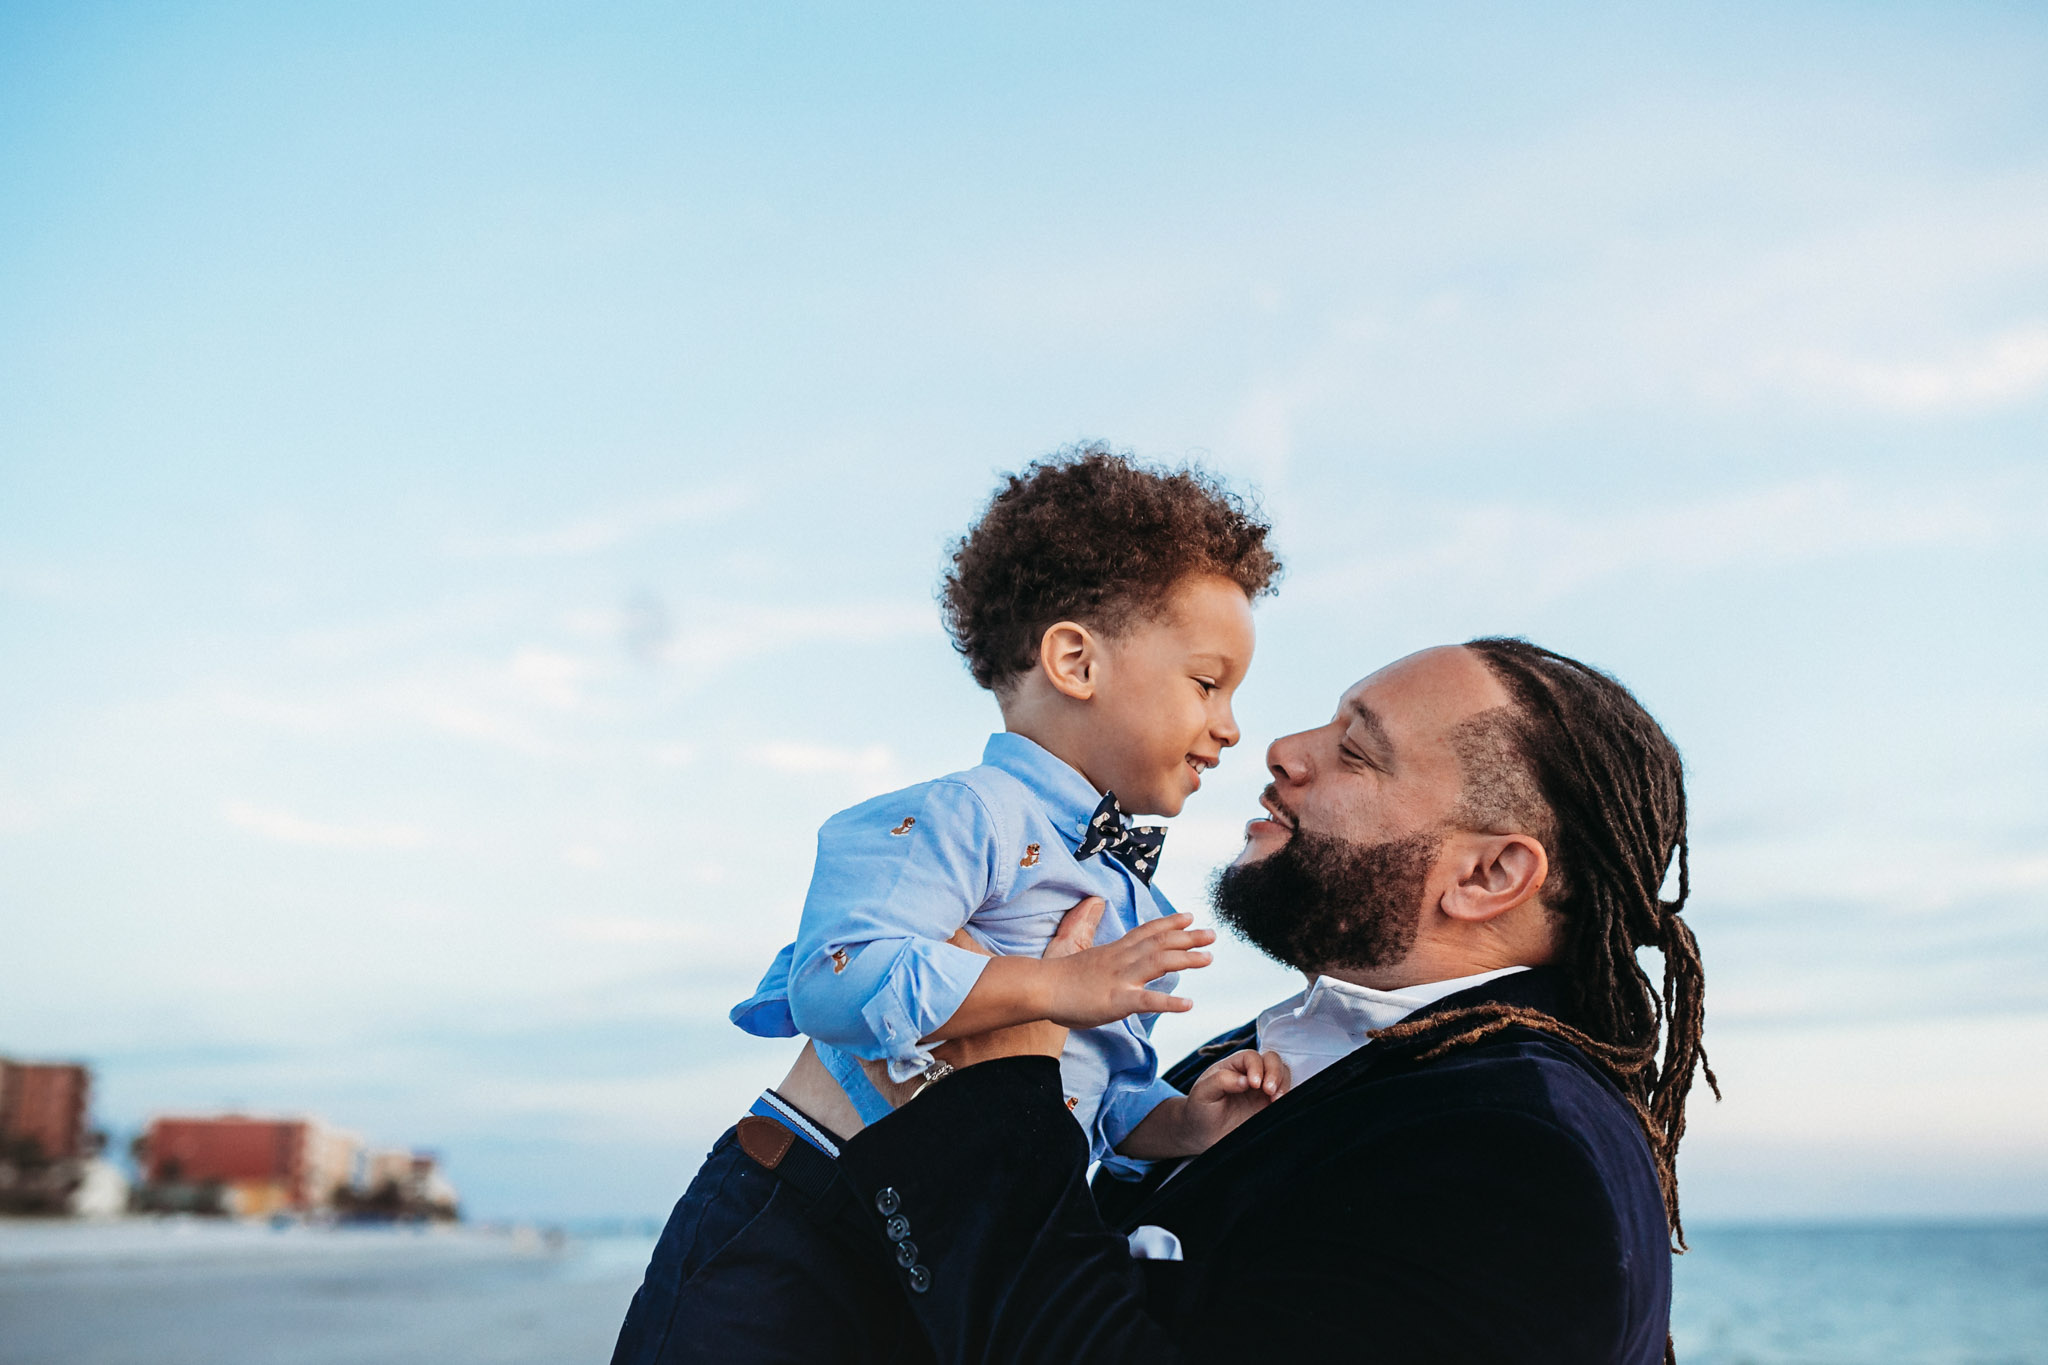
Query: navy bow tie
[1135,846]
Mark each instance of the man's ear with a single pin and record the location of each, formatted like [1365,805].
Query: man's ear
[1070,657]
[1495,873]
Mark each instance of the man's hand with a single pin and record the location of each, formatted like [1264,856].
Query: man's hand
[1043,1038]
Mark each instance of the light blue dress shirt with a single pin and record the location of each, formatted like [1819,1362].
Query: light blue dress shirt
[992,849]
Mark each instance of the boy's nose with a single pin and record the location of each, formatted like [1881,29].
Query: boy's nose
[1226,732]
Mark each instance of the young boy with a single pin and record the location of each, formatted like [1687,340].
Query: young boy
[1108,607]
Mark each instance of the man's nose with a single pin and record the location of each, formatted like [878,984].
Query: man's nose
[1287,760]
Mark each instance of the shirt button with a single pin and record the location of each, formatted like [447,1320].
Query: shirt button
[920,1279]
[906,1254]
[887,1201]
[898,1228]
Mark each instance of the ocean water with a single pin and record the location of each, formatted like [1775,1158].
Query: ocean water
[200,1294]
[1907,1295]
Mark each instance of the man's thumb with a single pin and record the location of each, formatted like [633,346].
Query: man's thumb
[1077,929]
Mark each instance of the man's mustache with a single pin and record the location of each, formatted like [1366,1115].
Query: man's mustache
[1271,796]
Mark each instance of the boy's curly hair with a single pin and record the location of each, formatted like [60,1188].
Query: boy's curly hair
[1091,535]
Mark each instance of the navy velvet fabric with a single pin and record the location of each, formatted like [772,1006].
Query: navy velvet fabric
[1496,1204]
[749,1271]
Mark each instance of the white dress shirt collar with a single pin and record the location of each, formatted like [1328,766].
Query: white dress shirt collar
[1330,1020]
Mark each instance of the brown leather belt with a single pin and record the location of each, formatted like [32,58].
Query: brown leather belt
[772,1140]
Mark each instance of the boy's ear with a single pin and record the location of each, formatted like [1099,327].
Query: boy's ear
[1070,657]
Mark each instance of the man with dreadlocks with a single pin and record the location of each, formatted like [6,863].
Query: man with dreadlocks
[1476,1159]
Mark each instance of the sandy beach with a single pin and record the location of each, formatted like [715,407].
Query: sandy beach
[170,1292]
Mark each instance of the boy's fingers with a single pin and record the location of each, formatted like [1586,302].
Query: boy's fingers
[1175,962]
[1165,925]
[1278,1077]
[1159,943]
[1158,1002]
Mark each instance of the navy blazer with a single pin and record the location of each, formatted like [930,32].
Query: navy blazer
[1496,1204]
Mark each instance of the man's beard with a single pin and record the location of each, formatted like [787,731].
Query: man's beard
[1318,902]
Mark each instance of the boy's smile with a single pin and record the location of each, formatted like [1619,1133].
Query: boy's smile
[1162,714]
[1144,710]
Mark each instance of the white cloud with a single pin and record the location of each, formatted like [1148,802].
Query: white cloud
[550,676]
[286,828]
[1544,553]
[431,702]
[697,1099]
[2011,367]
[727,634]
[397,632]
[515,701]
[1904,875]
[36,583]
[1480,320]
[1975,1081]
[18,815]
[870,761]
[636,930]
[604,530]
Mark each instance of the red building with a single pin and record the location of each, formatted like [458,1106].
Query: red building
[261,1165]
[43,1111]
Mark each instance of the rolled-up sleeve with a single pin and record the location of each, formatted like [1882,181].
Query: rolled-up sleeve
[1124,1107]
[870,972]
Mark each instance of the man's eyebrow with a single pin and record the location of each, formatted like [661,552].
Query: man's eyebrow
[1374,726]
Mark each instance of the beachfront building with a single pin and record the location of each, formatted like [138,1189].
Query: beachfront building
[402,1185]
[245,1167]
[49,1160]
[43,1109]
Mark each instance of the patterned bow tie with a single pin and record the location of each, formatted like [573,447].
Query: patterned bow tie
[1135,846]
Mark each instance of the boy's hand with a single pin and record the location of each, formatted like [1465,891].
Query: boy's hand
[1041,1038]
[1227,1094]
[1232,1091]
[1102,985]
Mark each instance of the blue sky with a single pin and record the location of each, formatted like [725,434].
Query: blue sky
[472,481]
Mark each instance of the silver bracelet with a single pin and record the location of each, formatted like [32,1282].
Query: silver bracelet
[933,1074]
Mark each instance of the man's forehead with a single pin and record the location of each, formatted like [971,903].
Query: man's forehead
[1429,690]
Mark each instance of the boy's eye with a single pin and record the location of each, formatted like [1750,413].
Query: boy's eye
[1206,685]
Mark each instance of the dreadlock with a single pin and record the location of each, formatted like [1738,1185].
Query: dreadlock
[1577,761]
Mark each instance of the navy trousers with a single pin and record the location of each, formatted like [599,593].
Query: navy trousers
[750,1269]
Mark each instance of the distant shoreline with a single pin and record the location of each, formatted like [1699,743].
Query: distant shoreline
[50,1244]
